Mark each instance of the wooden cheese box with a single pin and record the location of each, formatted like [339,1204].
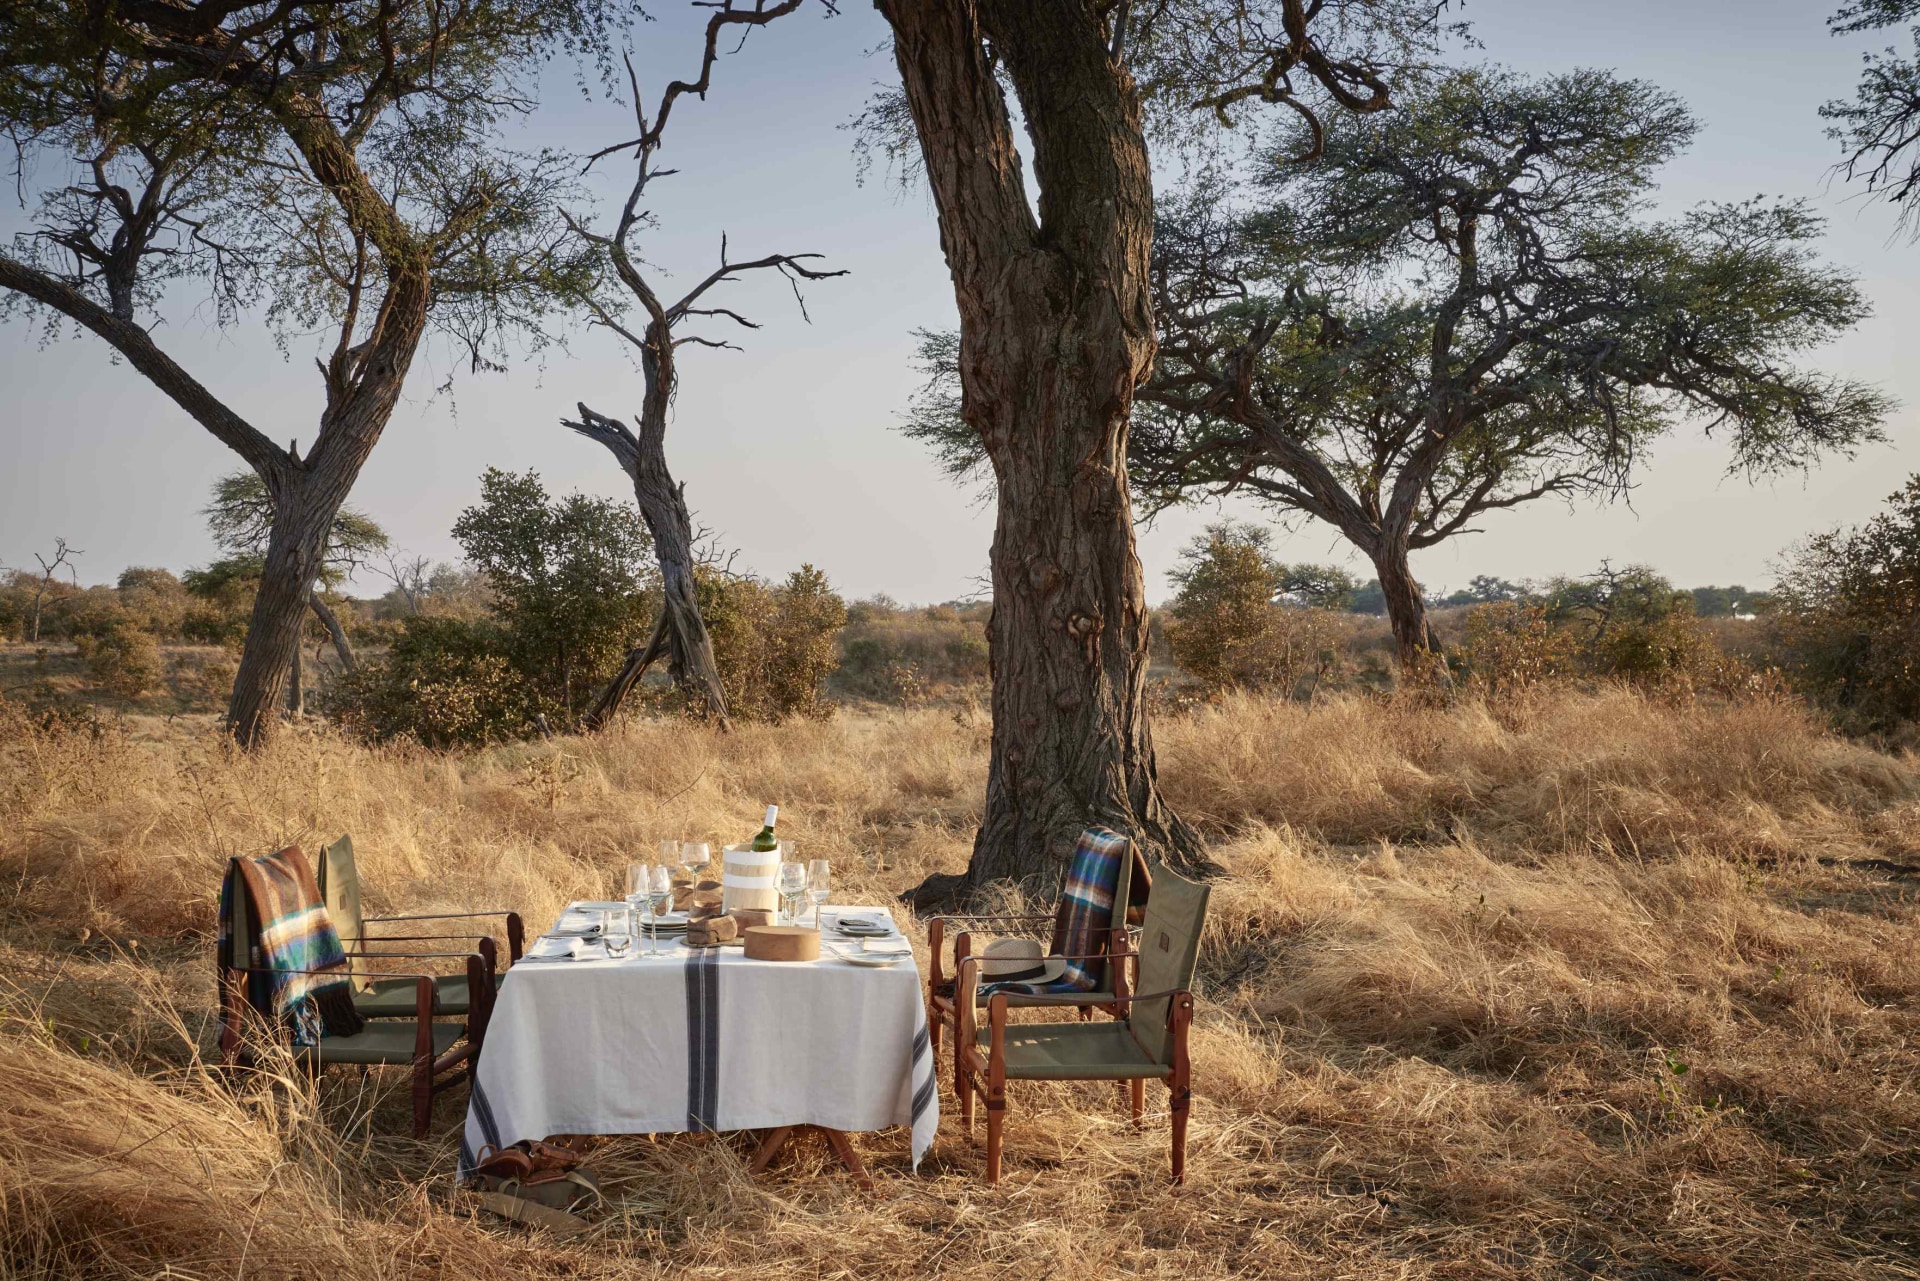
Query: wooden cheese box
[782,943]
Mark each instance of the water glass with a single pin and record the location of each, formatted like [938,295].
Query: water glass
[819,875]
[792,883]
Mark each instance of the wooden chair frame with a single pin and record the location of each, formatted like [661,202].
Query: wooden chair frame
[431,1075]
[942,997]
[986,1074]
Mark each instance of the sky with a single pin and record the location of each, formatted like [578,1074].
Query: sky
[790,449]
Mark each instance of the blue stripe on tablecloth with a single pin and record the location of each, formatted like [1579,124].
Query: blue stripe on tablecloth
[703,1039]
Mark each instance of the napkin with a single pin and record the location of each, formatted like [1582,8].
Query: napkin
[553,947]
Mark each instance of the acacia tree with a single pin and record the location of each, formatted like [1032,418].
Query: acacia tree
[681,632]
[337,160]
[1056,331]
[1459,309]
[240,517]
[1879,128]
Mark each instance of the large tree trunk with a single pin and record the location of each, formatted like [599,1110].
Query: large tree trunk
[682,630]
[1055,333]
[1413,639]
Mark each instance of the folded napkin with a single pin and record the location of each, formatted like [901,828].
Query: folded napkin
[554,947]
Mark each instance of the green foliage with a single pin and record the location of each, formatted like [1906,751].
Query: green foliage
[240,518]
[1375,300]
[1227,629]
[1634,625]
[1848,614]
[1484,590]
[222,594]
[1877,127]
[445,682]
[572,580]
[1316,586]
[124,661]
[775,645]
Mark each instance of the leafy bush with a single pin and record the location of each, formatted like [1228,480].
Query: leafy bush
[1226,629]
[124,661]
[446,682]
[775,645]
[1633,625]
[1509,647]
[572,581]
[896,654]
[1847,616]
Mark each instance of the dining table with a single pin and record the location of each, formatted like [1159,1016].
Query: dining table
[684,1039]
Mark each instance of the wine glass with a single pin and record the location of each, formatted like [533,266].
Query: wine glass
[639,894]
[819,874]
[693,857]
[660,898]
[792,884]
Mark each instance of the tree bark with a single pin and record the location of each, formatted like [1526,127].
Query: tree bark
[663,505]
[1056,332]
[1413,638]
[296,685]
[330,621]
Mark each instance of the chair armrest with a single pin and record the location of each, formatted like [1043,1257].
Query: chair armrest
[1103,998]
[516,932]
[436,916]
[977,916]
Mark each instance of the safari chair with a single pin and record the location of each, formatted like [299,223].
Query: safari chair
[440,1055]
[1132,886]
[1148,1041]
[386,996]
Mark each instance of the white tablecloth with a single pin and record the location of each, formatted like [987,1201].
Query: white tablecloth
[702,1039]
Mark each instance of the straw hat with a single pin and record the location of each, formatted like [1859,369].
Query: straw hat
[1018,961]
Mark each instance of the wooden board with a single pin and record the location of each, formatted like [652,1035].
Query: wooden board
[783,943]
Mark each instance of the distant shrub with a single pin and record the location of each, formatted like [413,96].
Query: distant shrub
[1847,616]
[124,661]
[1633,625]
[1226,629]
[898,654]
[775,645]
[445,682]
[1508,647]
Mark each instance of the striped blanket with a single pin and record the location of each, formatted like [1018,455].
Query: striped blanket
[1085,915]
[297,969]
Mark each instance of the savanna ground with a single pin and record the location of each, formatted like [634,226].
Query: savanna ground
[1593,986]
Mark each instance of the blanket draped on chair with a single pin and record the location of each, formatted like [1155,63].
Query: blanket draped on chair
[1085,914]
[297,968]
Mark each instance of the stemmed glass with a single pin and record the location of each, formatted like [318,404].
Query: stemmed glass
[819,875]
[659,898]
[792,884]
[638,876]
[693,857]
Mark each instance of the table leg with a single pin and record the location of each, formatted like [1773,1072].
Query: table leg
[842,1146]
[770,1148]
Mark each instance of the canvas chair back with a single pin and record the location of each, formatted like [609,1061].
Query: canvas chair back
[340,891]
[1169,948]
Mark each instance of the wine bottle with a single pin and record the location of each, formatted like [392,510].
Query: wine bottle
[764,841]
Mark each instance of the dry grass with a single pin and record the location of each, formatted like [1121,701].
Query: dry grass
[1596,987]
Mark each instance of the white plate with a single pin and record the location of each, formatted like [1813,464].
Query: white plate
[605,905]
[870,960]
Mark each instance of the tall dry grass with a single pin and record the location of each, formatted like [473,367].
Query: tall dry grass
[1594,987]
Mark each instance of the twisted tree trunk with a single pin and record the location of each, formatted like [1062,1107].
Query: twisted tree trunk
[1055,334]
[330,621]
[682,631]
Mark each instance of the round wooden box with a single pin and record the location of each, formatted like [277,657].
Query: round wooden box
[782,943]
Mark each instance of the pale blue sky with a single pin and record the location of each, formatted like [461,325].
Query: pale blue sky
[789,449]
